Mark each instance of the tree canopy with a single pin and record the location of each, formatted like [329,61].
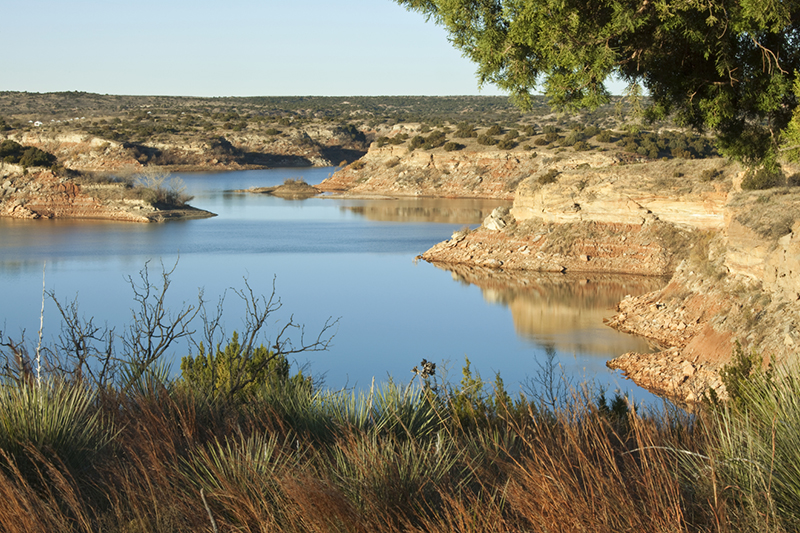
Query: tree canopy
[727,65]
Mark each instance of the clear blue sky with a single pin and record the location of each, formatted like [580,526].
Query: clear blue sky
[228,48]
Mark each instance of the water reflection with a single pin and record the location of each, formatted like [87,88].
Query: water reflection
[446,210]
[562,311]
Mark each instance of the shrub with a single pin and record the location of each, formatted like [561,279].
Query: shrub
[34,157]
[465,130]
[486,140]
[155,186]
[235,371]
[416,142]
[756,180]
[435,140]
[591,131]
[357,164]
[709,174]
[10,148]
[541,141]
[551,136]
[572,138]
[495,130]
[13,152]
[453,146]
[548,177]
[581,146]
[507,144]
[605,137]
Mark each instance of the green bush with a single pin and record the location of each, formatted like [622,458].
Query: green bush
[507,144]
[34,157]
[762,178]
[486,140]
[465,130]
[435,140]
[495,130]
[581,146]
[15,153]
[453,146]
[236,371]
[591,131]
[572,138]
[605,137]
[548,177]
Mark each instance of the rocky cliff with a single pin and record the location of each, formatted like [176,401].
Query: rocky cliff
[393,170]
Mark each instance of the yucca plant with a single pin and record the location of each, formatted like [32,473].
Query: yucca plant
[55,417]
[759,450]
[241,477]
[386,473]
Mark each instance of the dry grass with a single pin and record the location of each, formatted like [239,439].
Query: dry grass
[180,461]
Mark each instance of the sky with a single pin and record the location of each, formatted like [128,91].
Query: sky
[229,48]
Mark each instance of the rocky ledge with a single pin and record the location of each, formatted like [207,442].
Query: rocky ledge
[393,170]
[733,258]
[291,189]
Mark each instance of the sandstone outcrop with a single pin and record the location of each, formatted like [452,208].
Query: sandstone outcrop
[733,258]
[393,170]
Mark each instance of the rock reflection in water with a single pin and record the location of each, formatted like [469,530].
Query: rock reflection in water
[445,210]
[563,311]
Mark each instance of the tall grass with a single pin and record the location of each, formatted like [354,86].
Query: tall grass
[180,460]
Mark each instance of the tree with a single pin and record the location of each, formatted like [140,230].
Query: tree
[727,65]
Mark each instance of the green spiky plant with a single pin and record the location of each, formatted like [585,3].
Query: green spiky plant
[54,417]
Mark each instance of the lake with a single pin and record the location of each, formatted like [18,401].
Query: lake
[350,259]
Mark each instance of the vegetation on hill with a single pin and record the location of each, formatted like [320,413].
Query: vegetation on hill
[727,66]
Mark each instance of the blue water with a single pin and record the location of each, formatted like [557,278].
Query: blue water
[328,258]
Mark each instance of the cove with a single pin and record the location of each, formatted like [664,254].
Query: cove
[351,259]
